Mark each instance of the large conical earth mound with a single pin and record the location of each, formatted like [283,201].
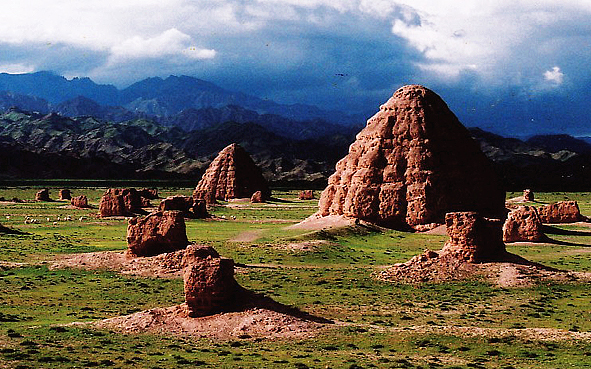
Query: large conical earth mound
[411,164]
[232,174]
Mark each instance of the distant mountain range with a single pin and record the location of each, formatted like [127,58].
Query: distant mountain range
[89,148]
[34,145]
[52,127]
[186,102]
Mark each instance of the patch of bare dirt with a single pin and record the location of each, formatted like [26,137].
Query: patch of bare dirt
[512,271]
[248,236]
[507,274]
[11,264]
[315,222]
[163,265]
[440,230]
[531,334]
[254,322]
[429,267]
[252,315]
[304,246]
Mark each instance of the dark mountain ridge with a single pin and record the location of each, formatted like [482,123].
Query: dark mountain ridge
[34,145]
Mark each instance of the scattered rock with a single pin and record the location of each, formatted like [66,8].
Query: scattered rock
[523,224]
[528,195]
[117,202]
[306,195]
[209,281]
[149,193]
[157,233]
[257,197]
[42,195]
[413,163]
[65,194]
[191,208]
[79,201]
[474,238]
[232,174]
[561,212]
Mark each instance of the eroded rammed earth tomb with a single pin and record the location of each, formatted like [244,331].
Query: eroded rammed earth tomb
[413,163]
[232,174]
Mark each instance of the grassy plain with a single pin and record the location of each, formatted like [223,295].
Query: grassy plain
[379,324]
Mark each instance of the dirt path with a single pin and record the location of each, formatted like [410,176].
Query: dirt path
[536,334]
[248,236]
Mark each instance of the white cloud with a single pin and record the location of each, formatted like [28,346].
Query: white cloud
[16,68]
[170,42]
[555,76]
[499,40]
[502,42]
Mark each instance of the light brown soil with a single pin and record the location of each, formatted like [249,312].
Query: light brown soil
[440,230]
[254,322]
[164,265]
[512,271]
[303,246]
[527,334]
[315,222]
[248,236]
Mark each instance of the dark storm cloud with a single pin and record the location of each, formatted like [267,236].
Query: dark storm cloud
[504,65]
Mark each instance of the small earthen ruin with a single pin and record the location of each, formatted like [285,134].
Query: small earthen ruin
[474,238]
[79,201]
[561,212]
[157,233]
[306,195]
[232,174]
[413,163]
[528,195]
[120,202]
[209,282]
[523,224]
[191,208]
[149,193]
[257,197]
[42,195]
[65,194]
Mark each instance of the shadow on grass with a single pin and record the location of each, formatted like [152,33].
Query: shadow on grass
[275,199]
[249,300]
[6,230]
[516,259]
[563,232]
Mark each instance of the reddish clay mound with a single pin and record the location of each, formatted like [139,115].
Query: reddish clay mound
[120,202]
[190,207]
[79,201]
[65,194]
[475,250]
[157,233]
[216,306]
[561,212]
[232,174]
[253,323]
[306,195]
[413,163]
[523,224]
[209,281]
[42,195]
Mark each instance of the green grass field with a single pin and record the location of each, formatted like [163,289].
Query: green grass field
[380,324]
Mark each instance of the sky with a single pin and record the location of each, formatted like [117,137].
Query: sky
[508,66]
